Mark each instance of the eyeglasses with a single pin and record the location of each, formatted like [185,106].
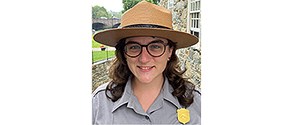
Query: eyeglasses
[155,48]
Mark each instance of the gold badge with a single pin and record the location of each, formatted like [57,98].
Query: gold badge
[183,115]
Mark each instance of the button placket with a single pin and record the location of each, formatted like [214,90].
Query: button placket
[147,118]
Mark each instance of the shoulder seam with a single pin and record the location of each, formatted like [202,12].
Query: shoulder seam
[99,89]
[197,90]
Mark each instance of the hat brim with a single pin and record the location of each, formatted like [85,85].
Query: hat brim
[112,36]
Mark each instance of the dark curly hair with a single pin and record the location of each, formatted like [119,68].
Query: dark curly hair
[119,74]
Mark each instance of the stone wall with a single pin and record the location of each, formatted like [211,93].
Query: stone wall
[100,73]
[190,58]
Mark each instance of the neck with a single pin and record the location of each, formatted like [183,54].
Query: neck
[146,93]
[154,85]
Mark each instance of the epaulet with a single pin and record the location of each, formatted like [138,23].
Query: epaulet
[197,90]
[100,88]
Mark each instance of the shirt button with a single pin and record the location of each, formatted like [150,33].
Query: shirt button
[147,117]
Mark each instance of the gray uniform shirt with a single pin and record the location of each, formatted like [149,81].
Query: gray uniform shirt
[127,110]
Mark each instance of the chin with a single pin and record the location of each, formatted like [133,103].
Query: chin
[145,79]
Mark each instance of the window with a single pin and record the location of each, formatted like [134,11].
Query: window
[194,18]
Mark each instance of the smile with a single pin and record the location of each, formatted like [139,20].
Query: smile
[145,67]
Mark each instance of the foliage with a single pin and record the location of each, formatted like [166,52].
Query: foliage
[98,12]
[127,4]
[115,14]
[101,55]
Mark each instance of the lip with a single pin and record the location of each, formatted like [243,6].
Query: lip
[145,68]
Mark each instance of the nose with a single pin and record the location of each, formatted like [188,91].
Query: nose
[145,56]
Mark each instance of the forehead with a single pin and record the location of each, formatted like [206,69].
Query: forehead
[145,39]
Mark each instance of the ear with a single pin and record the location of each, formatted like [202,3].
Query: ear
[170,52]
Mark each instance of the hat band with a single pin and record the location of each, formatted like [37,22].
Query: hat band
[145,26]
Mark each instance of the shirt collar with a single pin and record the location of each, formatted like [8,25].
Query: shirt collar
[125,97]
[128,93]
[167,93]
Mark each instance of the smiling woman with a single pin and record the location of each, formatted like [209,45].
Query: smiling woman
[146,83]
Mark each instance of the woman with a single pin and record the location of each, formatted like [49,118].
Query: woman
[147,85]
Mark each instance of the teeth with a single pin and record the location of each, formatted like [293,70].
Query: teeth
[145,68]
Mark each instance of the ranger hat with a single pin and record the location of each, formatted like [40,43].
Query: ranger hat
[145,19]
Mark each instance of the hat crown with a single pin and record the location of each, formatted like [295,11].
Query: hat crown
[147,13]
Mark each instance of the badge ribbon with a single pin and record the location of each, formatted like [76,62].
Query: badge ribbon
[183,115]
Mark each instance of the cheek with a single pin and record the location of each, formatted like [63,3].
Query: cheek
[130,62]
[162,61]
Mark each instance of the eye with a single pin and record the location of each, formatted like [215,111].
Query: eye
[133,47]
[155,46]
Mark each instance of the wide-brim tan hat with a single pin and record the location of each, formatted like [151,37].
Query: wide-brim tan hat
[146,19]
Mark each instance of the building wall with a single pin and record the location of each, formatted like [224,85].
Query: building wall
[190,58]
[100,73]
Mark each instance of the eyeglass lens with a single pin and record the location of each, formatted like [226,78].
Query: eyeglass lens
[155,48]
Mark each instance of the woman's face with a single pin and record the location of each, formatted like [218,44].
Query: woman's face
[147,67]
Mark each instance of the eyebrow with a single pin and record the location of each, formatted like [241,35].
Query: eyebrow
[156,40]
